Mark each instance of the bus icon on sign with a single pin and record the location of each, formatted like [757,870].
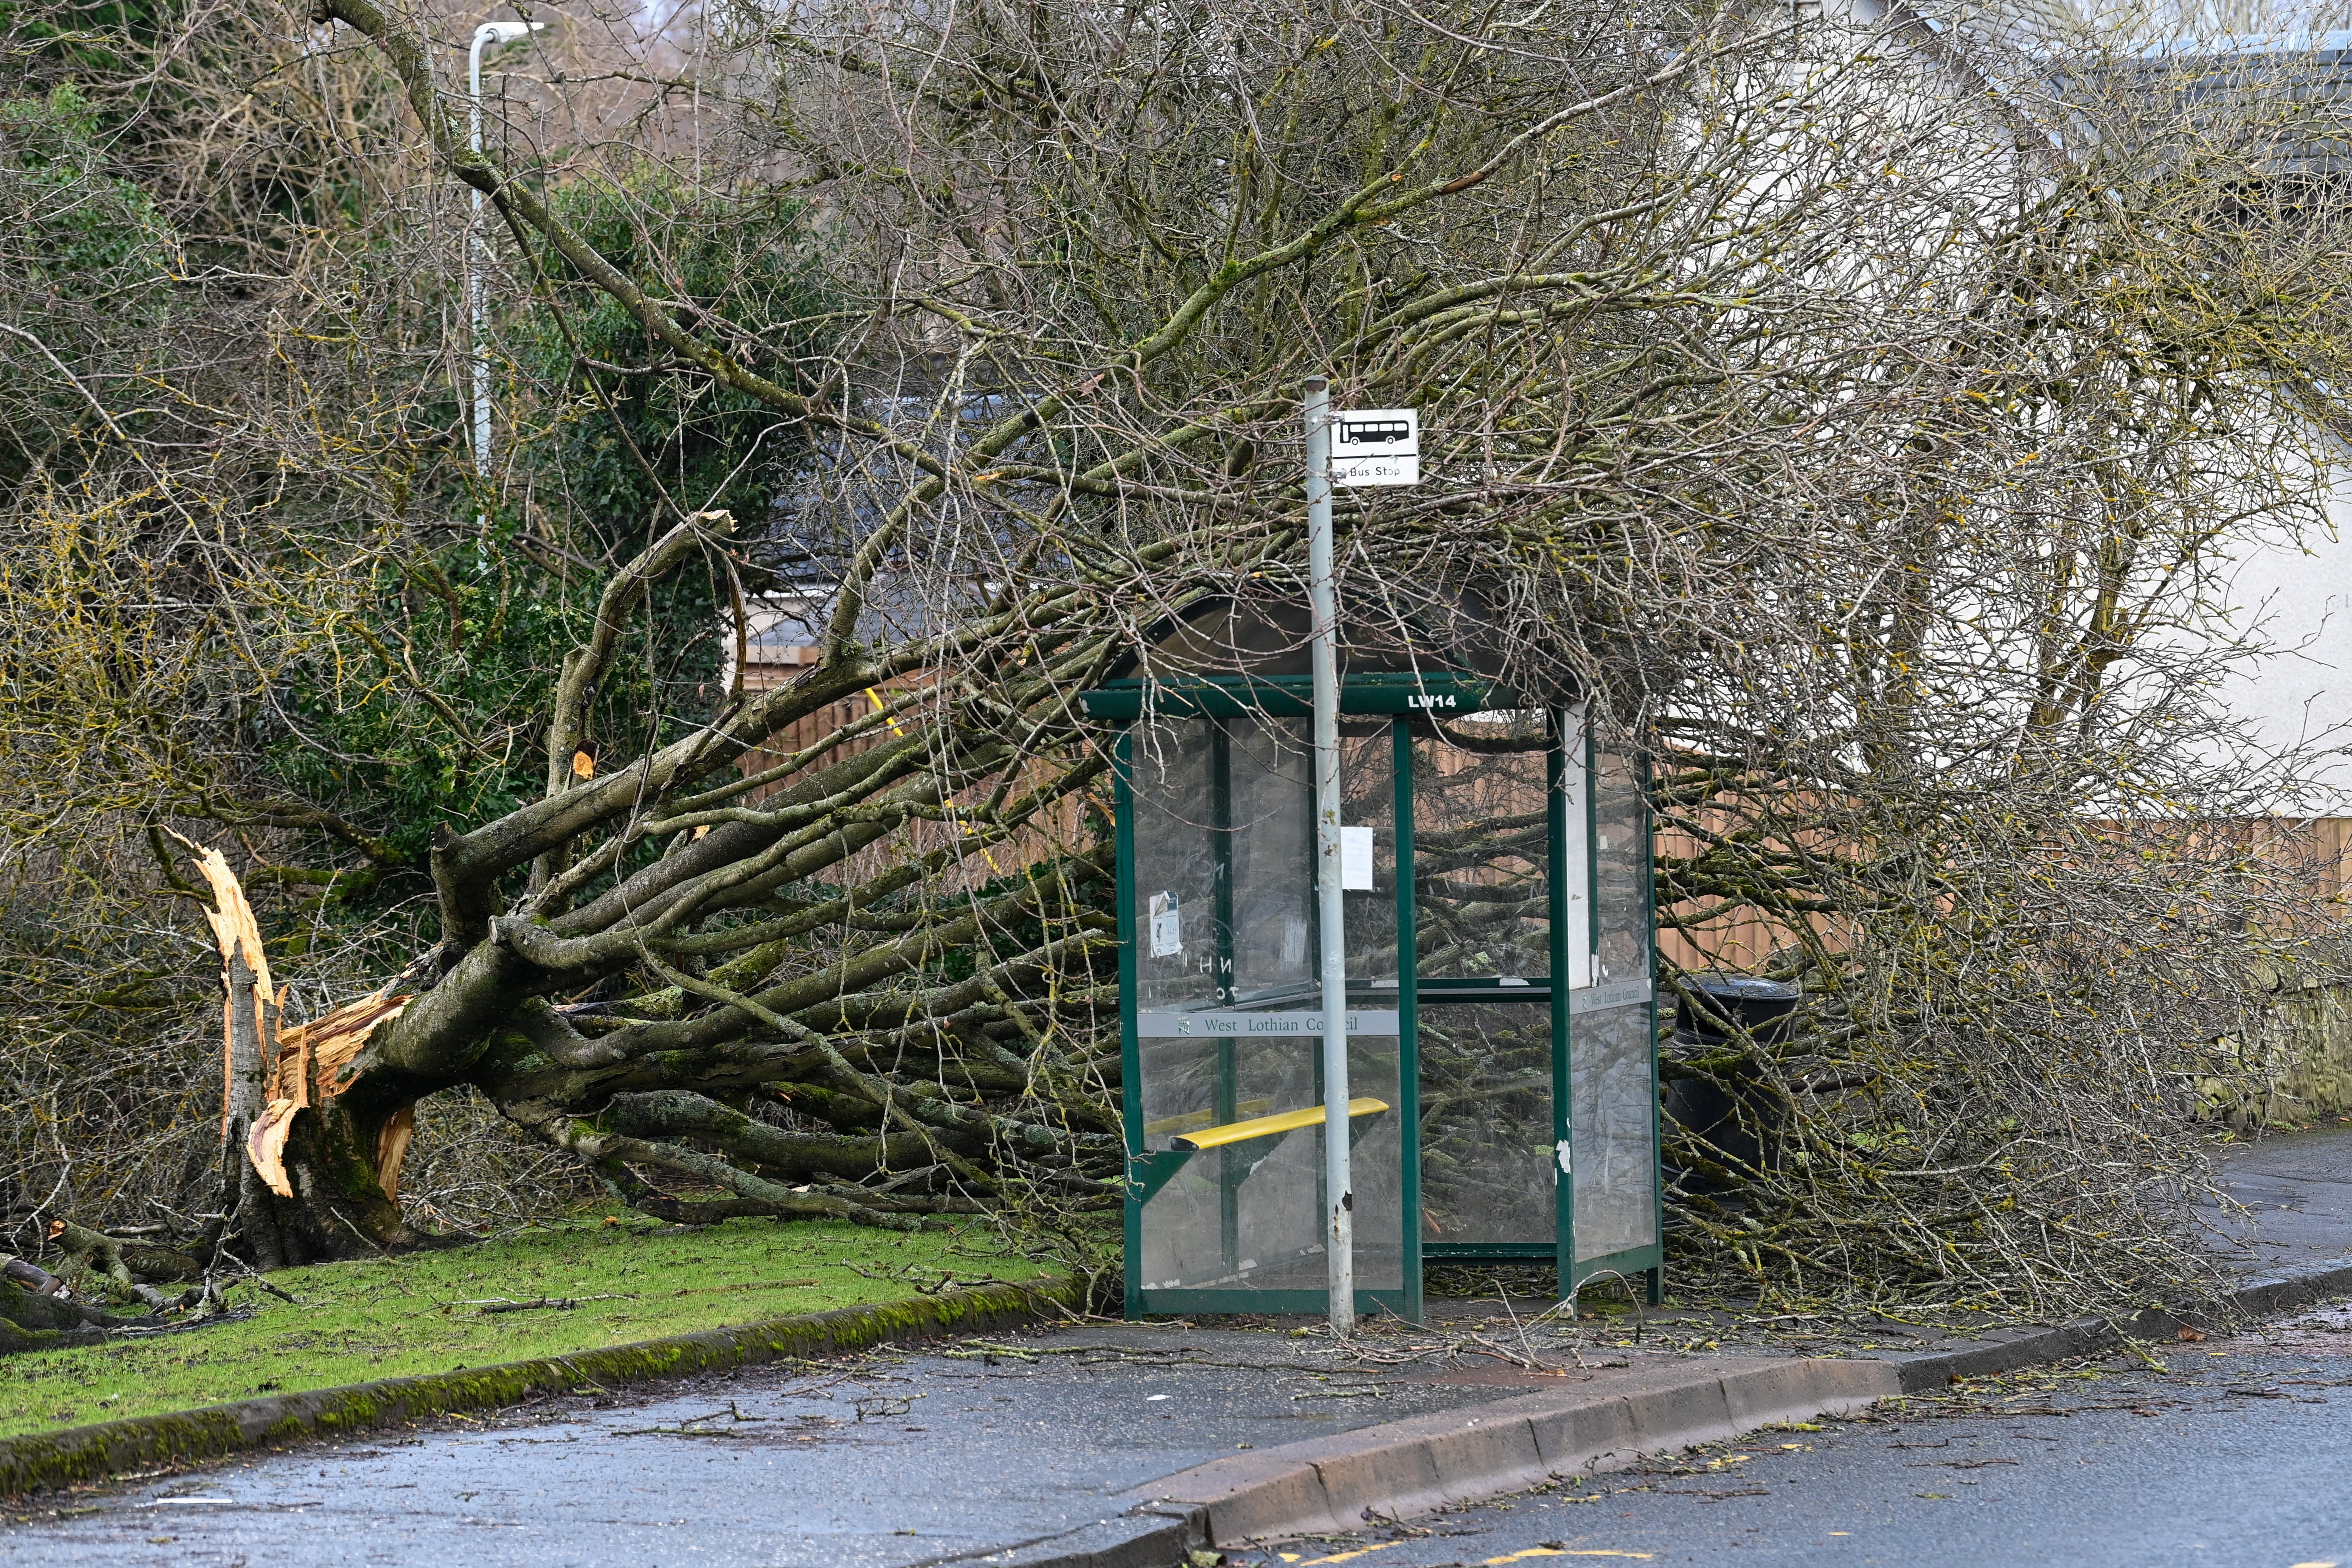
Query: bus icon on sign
[1383,432]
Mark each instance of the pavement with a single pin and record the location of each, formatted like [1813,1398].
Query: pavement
[2233,1456]
[1036,1446]
[2296,1189]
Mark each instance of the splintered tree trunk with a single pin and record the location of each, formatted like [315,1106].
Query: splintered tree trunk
[246,1101]
[311,1159]
[340,1202]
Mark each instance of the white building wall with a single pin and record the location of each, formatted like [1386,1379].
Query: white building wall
[2297,603]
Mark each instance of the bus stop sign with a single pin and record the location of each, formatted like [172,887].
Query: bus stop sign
[1376,447]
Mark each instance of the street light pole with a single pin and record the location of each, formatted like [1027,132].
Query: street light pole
[1332,905]
[477,254]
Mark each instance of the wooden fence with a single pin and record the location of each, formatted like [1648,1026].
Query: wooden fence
[1735,937]
[2316,852]
[1056,831]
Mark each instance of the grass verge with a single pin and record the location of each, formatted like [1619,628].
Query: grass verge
[422,1313]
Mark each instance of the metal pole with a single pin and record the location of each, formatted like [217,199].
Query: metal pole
[478,255]
[478,264]
[1330,903]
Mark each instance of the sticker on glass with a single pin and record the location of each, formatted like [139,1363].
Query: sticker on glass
[1167,927]
[1356,860]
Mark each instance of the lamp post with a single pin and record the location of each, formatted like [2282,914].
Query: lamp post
[478,263]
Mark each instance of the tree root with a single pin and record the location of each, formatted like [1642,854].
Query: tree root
[123,1269]
[36,1319]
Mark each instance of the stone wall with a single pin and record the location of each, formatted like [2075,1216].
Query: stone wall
[2301,1059]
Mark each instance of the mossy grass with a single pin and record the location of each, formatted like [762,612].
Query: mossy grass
[419,1313]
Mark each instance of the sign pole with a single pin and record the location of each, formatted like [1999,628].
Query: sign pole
[1330,903]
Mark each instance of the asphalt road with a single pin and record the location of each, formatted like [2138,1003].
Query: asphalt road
[2147,1471]
[898,1460]
[887,1461]
[2240,1458]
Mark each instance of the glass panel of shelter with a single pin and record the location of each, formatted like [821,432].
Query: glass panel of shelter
[1614,1098]
[1223,915]
[1483,790]
[1533,910]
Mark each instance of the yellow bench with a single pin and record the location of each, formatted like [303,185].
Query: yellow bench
[1267,1126]
[1192,1119]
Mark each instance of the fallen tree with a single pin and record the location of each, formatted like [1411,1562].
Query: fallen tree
[1839,457]
[38,1311]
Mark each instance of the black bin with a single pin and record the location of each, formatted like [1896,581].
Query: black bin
[1712,1108]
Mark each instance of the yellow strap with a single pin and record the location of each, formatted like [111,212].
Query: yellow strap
[1267,1126]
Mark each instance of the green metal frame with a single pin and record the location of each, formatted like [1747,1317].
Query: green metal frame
[1140,1177]
[1408,1010]
[1289,696]
[1397,697]
[1563,1083]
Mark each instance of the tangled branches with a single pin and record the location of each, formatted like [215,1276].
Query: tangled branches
[1867,462]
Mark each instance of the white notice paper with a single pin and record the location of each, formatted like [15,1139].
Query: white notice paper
[1355,860]
[1167,927]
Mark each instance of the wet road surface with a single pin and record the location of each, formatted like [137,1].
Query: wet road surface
[888,1460]
[2237,1460]
[901,1459]
[2296,1189]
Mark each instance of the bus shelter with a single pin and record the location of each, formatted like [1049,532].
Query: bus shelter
[1500,1015]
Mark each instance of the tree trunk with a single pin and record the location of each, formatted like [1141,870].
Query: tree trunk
[345,1203]
[312,1158]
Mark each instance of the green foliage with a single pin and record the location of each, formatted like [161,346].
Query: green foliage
[487,634]
[485,622]
[746,268]
[95,38]
[88,226]
[86,268]
[485,631]
[1089,886]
